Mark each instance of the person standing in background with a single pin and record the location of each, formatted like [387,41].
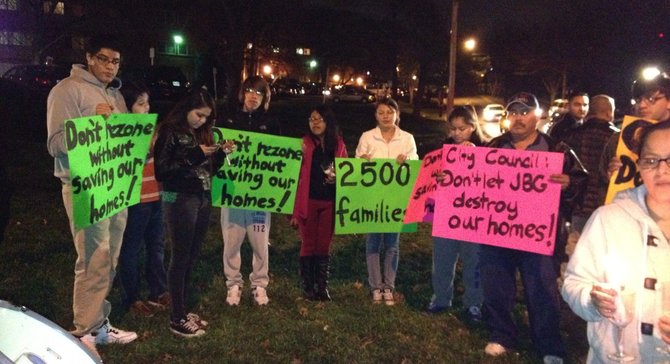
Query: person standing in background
[464,130]
[144,225]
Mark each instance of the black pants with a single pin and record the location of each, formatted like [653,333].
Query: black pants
[187,218]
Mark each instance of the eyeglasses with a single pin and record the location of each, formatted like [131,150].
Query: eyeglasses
[315,120]
[106,60]
[252,91]
[649,99]
[652,163]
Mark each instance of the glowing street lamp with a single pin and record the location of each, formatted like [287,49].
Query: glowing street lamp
[313,63]
[178,39]
[336,78]
[359,81]
[470,44]
[650,73]
[267,70]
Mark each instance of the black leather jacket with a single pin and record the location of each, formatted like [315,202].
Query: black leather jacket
[181,166]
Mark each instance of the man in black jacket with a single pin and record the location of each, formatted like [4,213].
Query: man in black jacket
[538,272]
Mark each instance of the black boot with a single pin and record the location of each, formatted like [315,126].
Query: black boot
[322,273]
[307,275]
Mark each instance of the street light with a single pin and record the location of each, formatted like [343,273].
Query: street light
[470,44]
[313,63]
[178,40]
[649,73]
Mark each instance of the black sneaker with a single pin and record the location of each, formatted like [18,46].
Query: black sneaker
[186,328]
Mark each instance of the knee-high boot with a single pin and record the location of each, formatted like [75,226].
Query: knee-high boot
[307,275]
[322,273]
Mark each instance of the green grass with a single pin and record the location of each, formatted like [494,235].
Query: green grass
[37,259]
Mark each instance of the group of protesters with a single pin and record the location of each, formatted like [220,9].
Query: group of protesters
[176,197]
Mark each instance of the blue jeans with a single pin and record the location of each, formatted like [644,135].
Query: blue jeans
[392,255]
[144,228]
[187,219]
[498,270]
[445,255]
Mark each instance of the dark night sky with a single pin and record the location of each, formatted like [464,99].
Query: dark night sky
[607,42]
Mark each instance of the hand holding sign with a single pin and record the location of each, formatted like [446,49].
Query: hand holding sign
[372,195]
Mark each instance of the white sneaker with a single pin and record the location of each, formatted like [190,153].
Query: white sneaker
[108,334]
[233,297]
[388,297]
[494,349]
[89,342]
[552,359]
[376,296]
[260,296]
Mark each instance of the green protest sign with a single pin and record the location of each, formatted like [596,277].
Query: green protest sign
[261,174]
[106,162]
[372,196]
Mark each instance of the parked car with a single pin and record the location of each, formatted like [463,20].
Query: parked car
[35,79]
[312,88]
[23,96]
[349,93]
[286,87]
[493,120]
[165,83]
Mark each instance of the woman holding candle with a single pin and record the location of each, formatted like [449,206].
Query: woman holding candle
[624,248]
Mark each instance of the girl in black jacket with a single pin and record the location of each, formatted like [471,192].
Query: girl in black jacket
[184,157]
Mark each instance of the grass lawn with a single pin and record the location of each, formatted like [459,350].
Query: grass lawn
[37,261]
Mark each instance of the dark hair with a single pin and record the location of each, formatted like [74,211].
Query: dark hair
[660,83]
[392,104]
[470,118]
[100,41]
[630,134]
[647,130]
[574,94]
[131,91]
[256,83]
[332,135]
[196,99]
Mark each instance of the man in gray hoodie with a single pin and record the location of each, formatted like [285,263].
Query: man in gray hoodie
[91,89]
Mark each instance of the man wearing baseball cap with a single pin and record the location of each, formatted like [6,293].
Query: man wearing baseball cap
[538,272]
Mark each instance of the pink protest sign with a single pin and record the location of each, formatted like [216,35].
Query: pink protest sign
[421,201]
[500,197]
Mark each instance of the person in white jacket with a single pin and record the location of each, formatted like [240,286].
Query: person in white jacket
[624,248]
[387,141]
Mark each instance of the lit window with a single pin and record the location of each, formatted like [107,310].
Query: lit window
[15,39]
[8,4]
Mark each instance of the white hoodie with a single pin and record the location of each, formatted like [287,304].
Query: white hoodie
[619,232]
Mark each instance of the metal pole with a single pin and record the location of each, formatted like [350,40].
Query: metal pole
[453,47]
